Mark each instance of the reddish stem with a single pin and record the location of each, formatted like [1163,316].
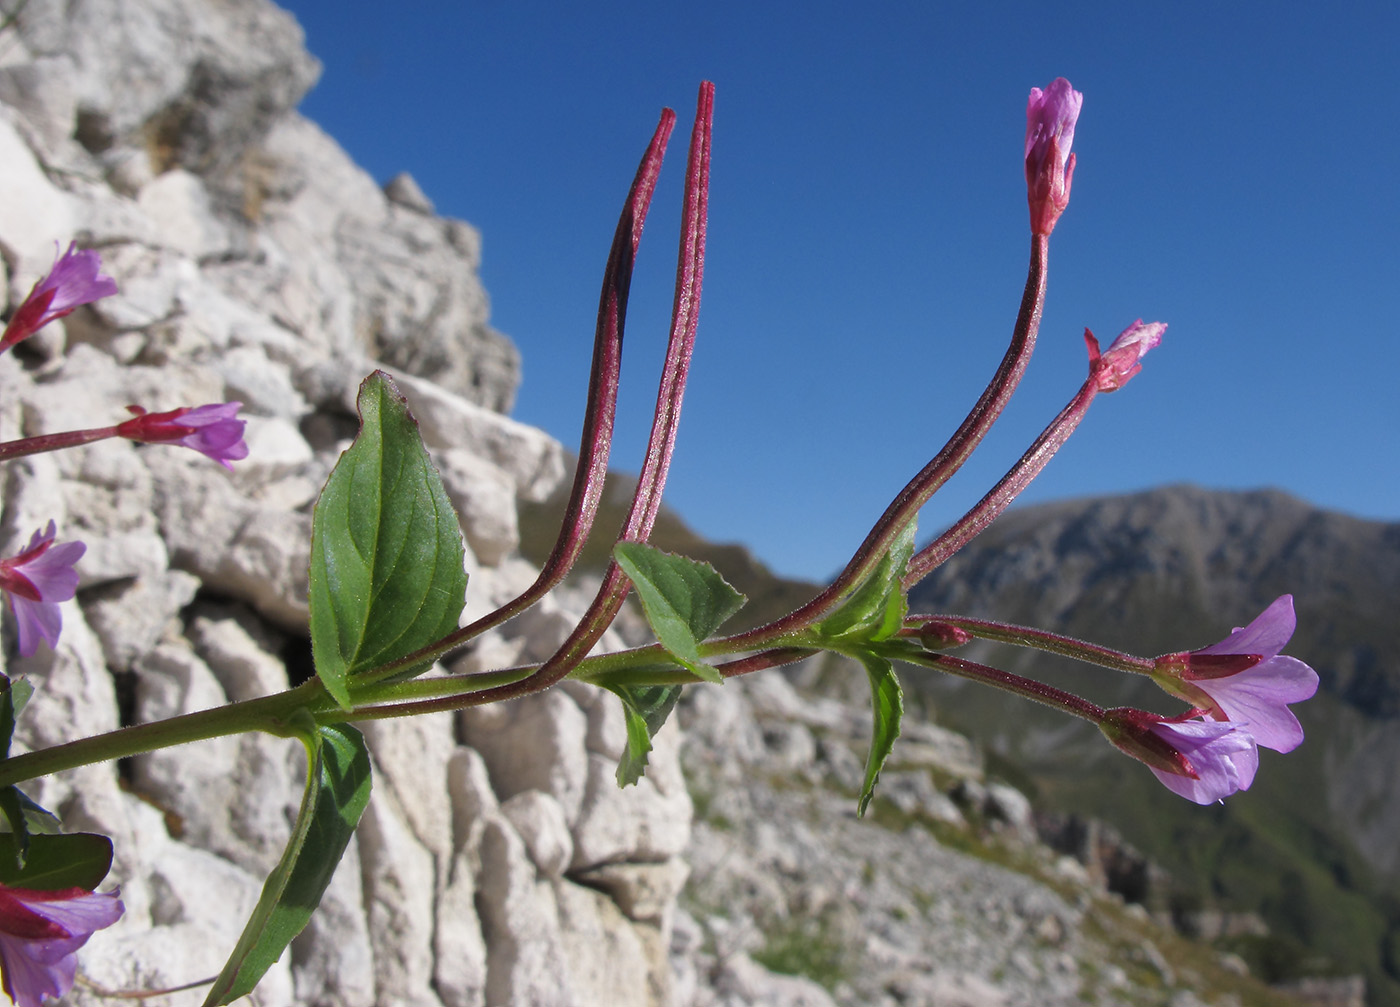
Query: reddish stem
[905,506]
[685,318]
[596,441]
[975,521]
[54,442]
[1028,688]
[1039,639]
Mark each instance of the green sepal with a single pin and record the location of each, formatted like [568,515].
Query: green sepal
[875,610]
[684,601]
[76,860]
[337,791]
[387,575]
[646,708]
[887,704]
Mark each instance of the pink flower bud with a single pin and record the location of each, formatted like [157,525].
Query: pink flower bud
[212,430]
[935,634]
[1050,118]
[1112,369]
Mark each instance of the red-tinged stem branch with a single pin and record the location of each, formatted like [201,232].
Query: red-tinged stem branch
[905,507]
[1037,639]
[1027,688]
[595,443]
[53,442]
[989,508]
[685,318]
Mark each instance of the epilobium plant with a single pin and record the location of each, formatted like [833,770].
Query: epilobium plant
[387,590]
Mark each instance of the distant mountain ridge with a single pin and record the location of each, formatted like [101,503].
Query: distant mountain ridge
[1215,557]
[1315,844]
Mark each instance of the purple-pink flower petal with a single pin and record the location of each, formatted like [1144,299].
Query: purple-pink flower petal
[74,280]
[1223,756]
[1268,634]
[213,430]
[35,581]
[218,433]
[1257,695]
[36,965]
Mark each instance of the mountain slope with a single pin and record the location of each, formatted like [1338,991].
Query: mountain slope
[1313,844]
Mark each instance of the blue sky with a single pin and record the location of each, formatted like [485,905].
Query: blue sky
[1237,179]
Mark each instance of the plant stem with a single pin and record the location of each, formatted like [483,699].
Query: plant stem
[270,714]
[595,444]
[53,442]
[990,507]
[1046,695]
[905,507]
[1051,643]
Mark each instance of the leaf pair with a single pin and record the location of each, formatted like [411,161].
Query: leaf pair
[874,612]
[684,601]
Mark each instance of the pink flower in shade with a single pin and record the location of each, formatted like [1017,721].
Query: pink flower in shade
[1111,370]
[213,430]
[36,581]
[1201,760]
[1050,118]
[40,934]
[1244,680]
[74,280]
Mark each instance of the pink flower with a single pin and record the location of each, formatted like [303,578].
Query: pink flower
[36,581]
[1112,370]
[74,280]
[1244,680]
[40,934]
[1201,760]
[1050,118]
[213,430]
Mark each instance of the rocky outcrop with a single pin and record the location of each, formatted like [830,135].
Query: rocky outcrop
[497,863]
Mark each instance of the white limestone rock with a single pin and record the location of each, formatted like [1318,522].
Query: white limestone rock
[535,743]
[459,948]
[131,616]
[332,960]
[525,961]
[399,878]
[539,821]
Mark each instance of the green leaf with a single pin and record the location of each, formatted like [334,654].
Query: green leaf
[337,790]
[387,573]
[13,696]
[77,860]
[887,701]
[646,708]
[875,610]
[20,813]
[684,600]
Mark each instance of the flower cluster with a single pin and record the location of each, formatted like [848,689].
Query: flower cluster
[1239,690]
[42,576]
